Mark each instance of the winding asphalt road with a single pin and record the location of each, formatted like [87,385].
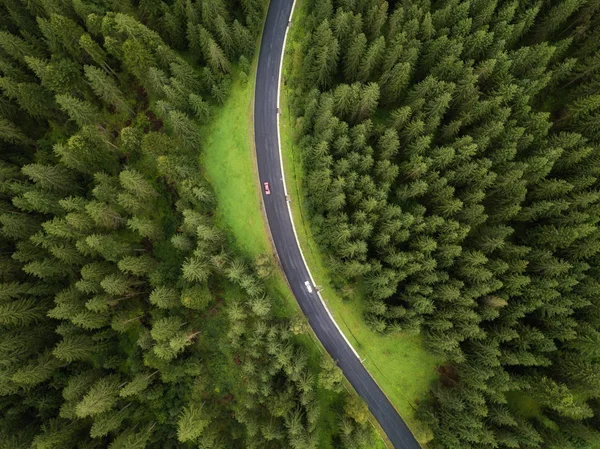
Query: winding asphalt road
[266,136]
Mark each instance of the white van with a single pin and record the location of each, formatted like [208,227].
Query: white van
[308,286]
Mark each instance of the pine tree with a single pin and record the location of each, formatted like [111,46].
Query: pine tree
[145,227]
[80,111]
[555,17]
[369,98]
[195,269]
[321,61]
[118,285]
[242,38]
[212,52]
[21,312]
[100,398]
[137,58]
[73,348]
[55,433]
[107,422]
[137,385]
[104,215]
[132,439]
[199,107]
[354,56]
[191,423]
[137,265]
[38,201]
[395,81]
[9,132]
[371,59]
[184,128]
[164,297]
[95,51]
[105,88]
[34,99]
[88,152]
[18,48]
[107,246]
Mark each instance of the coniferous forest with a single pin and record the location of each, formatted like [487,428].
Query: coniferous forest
[452,154]
[127,320]
[452,159]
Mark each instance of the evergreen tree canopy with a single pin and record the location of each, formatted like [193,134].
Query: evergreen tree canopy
[451,157]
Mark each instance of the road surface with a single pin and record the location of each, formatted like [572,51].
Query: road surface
[287,247]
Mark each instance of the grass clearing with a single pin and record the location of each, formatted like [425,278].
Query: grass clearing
[227,160]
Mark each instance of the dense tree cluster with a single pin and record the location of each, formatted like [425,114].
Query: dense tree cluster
[126,321]
[452,157]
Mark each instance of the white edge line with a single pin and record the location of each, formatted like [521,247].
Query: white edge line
[285,187]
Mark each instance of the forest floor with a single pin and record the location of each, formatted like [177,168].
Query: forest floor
[227,156]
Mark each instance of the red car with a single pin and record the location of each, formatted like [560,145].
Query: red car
[267,188]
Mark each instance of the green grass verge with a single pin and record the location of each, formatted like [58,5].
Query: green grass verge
[229,164]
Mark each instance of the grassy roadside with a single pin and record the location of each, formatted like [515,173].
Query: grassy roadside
[229,164]
[400,364]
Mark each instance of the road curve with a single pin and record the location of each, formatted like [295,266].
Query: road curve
[266,137]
